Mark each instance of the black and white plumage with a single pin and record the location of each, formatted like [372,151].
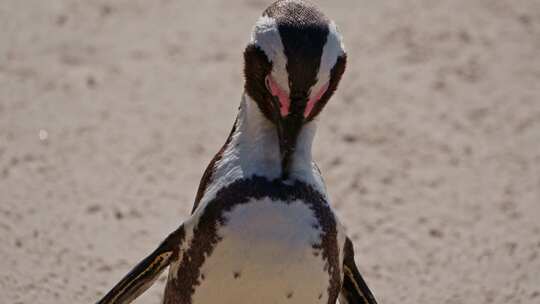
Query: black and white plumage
[262,230]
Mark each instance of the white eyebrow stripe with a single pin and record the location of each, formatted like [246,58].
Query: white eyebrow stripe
[266,35]
[333,48]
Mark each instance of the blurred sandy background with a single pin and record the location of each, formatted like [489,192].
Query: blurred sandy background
[110,111]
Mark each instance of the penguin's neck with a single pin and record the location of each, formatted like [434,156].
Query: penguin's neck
[252,150]
[254,146]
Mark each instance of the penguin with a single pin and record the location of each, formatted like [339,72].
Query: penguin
[262,229]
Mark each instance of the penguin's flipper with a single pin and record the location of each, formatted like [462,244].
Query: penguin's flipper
[142,276]
[354,289]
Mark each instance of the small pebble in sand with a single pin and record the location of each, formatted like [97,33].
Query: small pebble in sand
[43,135]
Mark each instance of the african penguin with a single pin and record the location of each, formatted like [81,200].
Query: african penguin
[261,229]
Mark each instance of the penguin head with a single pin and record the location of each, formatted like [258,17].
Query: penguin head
[295,58]
[292,65]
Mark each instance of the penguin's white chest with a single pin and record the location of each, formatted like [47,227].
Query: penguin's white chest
[266,254]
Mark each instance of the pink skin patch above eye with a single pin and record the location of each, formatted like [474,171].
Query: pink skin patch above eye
[285,102]
[313,100]
[276,90]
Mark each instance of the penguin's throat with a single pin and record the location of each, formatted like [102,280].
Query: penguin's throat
[258,142]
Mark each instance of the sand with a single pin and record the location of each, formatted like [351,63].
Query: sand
[110,111]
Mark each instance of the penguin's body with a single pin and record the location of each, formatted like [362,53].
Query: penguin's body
[259,233]
[262,230]
[268,248]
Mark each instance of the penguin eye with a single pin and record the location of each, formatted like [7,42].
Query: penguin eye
[267,84]
[273,87]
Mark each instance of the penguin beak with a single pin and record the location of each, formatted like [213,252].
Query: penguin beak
[288,129]
[288,117]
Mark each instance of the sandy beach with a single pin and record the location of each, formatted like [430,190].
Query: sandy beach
[111,110]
